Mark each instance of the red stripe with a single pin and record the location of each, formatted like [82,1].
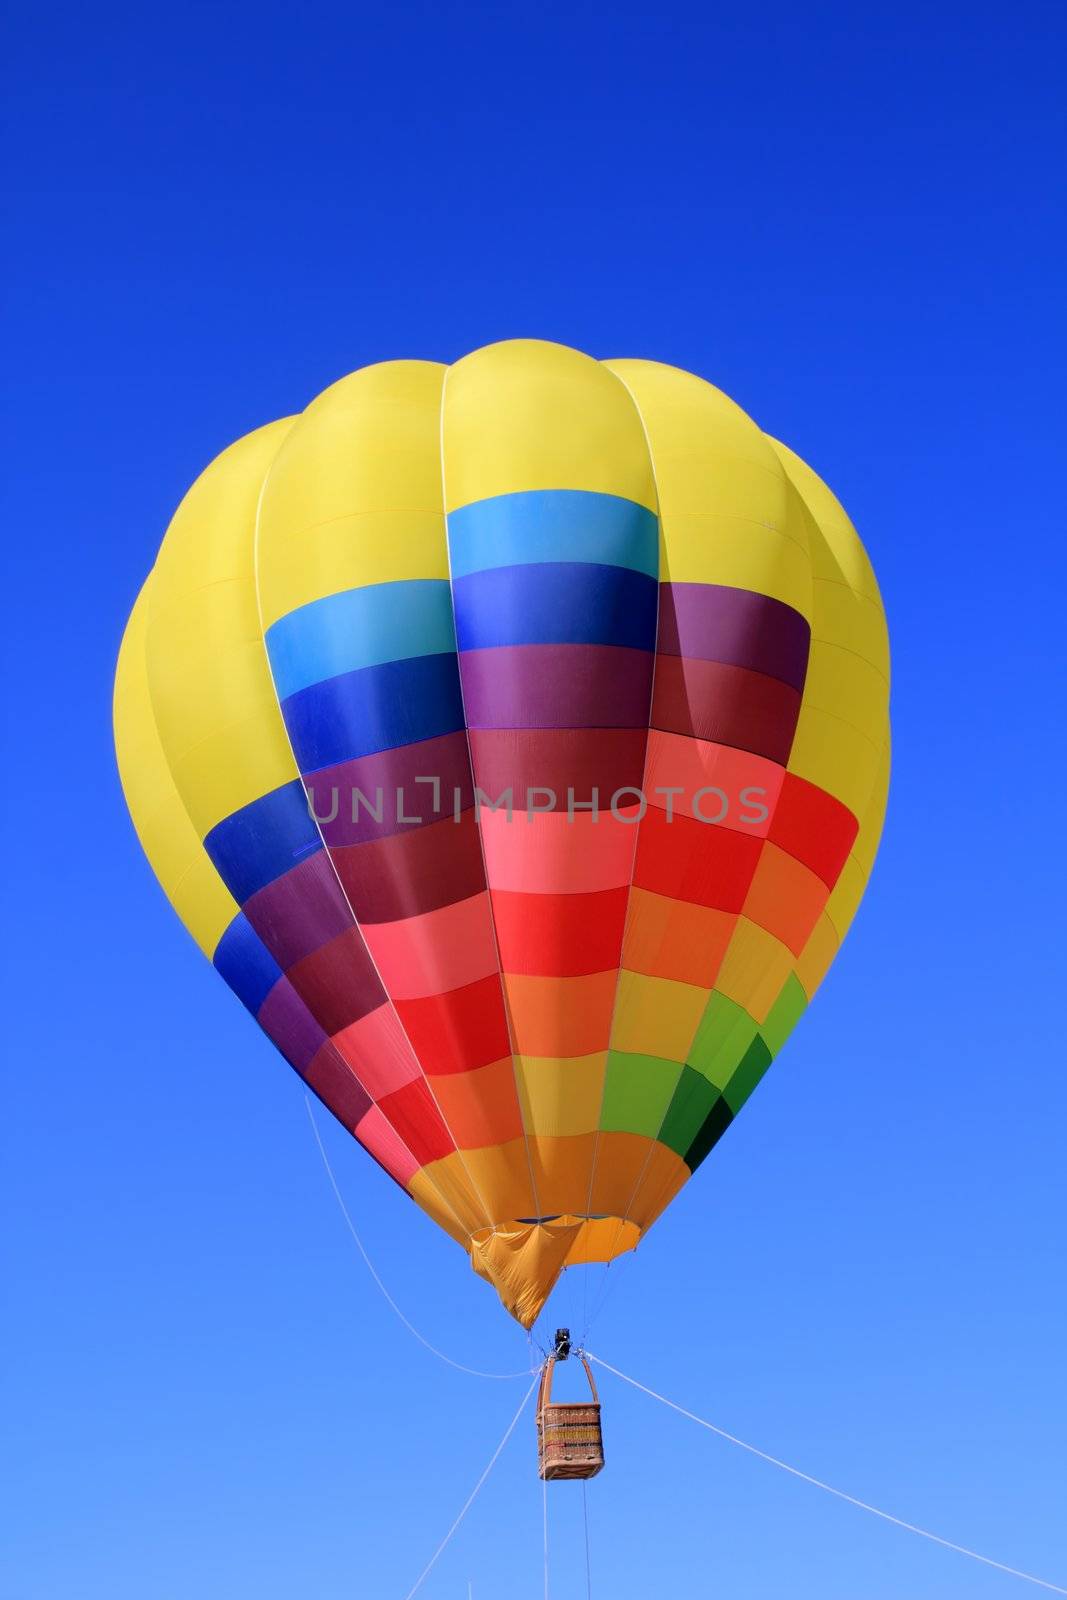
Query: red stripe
[559,935]
[459,1030]
[695,861]
[813,827]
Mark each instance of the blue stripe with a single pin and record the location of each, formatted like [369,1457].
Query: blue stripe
[556,603]
[553,525]
[264,839]
[247,965]
[360,628]
[379,708]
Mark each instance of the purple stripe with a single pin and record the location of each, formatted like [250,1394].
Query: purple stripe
[300,911]
[378,777]
[557,686]
[709,622]
[286,1020]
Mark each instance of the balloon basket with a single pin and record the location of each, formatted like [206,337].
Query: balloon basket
[570,1443]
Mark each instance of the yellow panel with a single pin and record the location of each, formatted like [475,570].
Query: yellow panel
[621,1159]
[738,553]
[529,415]
[664,1175]
[846,685]
[848,560]
[728,512]
[561,1096]
[354,496]
[817,956]
[656,1016]
[562,1167]
[853,622]
[602,1239]
[754,969]
[501,1175]
[214,702]
[427,1198]
[167,837]
[836,756]
[451,1182]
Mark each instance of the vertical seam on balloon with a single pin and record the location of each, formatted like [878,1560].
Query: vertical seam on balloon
[422,1166]
[534,1197]
[637,830]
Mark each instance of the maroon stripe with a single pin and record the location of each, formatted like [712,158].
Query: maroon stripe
[338,982]
[333,1081]
[735,626]
[378,777]
[728,705]
[299,911]
[408,873]
[558,759]
[556,686]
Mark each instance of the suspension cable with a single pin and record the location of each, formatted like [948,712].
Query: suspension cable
[473,1372]
[428,1568]
[817,1483]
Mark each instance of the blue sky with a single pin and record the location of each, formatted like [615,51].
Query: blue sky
[845,218]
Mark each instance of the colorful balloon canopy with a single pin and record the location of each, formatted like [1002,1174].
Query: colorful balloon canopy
[587,681]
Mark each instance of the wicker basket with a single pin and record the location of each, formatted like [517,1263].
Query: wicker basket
[569,1440]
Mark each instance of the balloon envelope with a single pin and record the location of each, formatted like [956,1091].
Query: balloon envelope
[513,737]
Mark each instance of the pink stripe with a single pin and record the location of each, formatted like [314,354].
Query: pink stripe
[434,952]
[676,761]
[375,1134]
[552,853]
[377,1049]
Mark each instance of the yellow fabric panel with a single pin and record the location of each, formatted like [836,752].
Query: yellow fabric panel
[836,756]
[656,1016]
[754,969]
[215,707]
[523,1261]
[853,622]
[354,496]
[850,562]
[817,955]
[847,893]
[167,837]
[525,415]
[562,1164]
[665,1174]
[602,1239]
[427,1198]
[727,511]
[450,1181]
[500,1175]
[847,686]
[865,847]
[620,1161]
[561,1096]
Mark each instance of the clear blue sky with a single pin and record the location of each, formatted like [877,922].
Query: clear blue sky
[843,216]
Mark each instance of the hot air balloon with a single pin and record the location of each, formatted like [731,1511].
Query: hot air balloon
[513,738]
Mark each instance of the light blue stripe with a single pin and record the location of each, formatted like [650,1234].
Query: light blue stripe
[553,525]
[360,628]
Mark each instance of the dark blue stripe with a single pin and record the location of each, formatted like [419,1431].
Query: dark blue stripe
[264,839]
[377,708]
[556,602]
[247,965]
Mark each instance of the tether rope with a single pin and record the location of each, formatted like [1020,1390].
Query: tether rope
[428,1568]
[472,1372]
[1013,1572]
